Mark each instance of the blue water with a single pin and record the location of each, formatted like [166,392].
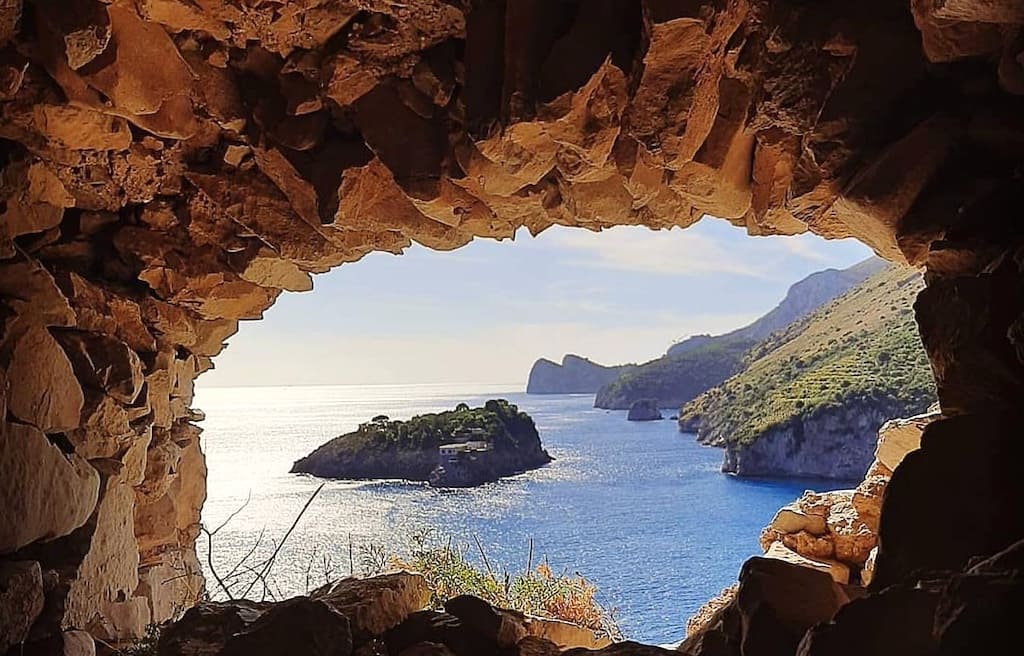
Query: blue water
[638,508]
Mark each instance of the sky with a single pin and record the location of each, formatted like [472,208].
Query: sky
[486,312]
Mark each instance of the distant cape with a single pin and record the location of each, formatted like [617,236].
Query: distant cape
[575,375]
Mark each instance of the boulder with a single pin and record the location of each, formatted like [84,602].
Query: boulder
[44,492]
[435,627]
[780,601]
[296,626]
[205,628]
[898,437]
[565,635]
[775,603]
[895,622]
[374,605]
[21,600]
[502,627]
[794,519]
[644,410]
[839,572]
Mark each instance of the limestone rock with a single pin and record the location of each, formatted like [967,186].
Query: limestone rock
[300,625]
[852,537]
[899,437]
[894,622]
[205,628]
[122,622]
[30,289]
[374,605]
[104,311]
[938,481]
[706,613]
[170,585]
[775,603]
[34,198]
[48,395]
[105,363]
[21,600]
[839,572]
[793,519]
[109,570]
[564,635]
[809,545]
[502,627]
[867,500]
[45,494]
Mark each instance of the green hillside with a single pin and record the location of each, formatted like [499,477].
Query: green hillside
[863,346]
[675,379]
[694,365]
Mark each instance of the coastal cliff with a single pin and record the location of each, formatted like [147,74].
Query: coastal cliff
[575,375]
[810,399]
[834,442]
[486,443]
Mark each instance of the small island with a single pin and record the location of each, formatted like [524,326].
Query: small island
[463,447]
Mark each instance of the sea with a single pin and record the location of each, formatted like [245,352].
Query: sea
[637,508]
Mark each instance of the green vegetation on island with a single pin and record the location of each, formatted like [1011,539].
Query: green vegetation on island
[861,350]
[499,440]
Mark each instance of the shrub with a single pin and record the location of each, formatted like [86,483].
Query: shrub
[536,590]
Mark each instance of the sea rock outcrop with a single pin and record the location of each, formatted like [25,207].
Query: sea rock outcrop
[575,375]
[169,168]
[644,410]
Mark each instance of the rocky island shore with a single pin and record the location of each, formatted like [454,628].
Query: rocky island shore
[463,447]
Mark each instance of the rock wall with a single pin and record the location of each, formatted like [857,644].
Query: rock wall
[834,443]
[837,532]
[170,167]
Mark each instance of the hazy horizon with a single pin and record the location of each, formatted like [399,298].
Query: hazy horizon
[484,313]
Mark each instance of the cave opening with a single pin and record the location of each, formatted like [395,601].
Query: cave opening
[424,332]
